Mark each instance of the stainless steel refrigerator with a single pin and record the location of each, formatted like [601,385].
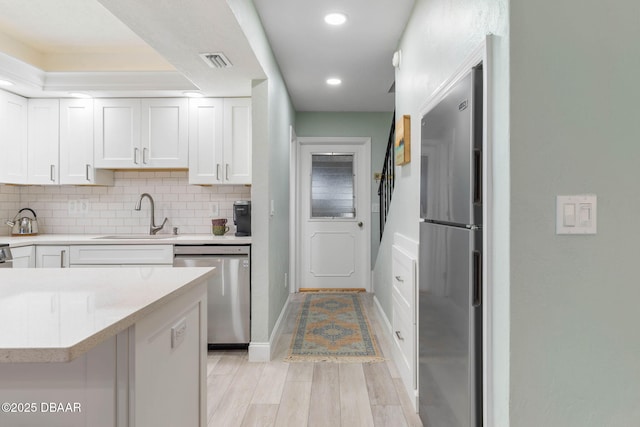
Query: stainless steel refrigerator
[450,287]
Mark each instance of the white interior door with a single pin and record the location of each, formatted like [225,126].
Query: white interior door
[334,213]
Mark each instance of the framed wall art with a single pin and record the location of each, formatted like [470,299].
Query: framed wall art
[403,140]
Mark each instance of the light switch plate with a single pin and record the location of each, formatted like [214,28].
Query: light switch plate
[576,214]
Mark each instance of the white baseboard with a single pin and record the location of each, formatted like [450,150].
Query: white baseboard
[411,392]
[382,315]
[263,351]
[259,351]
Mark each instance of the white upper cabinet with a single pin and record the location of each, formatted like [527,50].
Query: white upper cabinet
[237,140]
[135,133]
[76,145]
[13,138]
[117,133]
[205,141]
[220,141]
[164,134]
[43,134]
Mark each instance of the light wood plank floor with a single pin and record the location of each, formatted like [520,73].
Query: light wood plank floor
[307,394]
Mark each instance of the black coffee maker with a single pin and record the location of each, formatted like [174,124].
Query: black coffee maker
[242,217]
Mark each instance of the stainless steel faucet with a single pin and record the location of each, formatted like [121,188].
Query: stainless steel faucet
[153,228]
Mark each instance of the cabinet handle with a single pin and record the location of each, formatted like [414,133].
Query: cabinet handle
[227,172]
[144,155]
[399,336]
[86,172]
[135,155]
[218,171]
[62,258]
[399,279]
[52,172]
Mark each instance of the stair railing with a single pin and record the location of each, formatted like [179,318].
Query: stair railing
[387,181]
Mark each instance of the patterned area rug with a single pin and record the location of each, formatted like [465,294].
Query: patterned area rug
[333,327]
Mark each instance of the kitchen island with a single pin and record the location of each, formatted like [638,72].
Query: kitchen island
[103,347]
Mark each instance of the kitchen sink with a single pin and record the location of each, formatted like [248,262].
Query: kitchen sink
[136,236]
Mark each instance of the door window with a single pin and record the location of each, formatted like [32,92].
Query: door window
[332,186]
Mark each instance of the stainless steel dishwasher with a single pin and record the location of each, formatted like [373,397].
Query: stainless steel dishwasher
[229,291]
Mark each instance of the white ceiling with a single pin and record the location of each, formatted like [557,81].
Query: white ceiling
[359,52]
[151,47]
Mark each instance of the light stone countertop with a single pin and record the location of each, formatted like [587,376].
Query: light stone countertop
[55,315]
[98,239]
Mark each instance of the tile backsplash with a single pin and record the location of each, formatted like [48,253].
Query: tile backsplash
[110,210]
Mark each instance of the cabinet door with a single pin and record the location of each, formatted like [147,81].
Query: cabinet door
[205,141]
[13,138]
[52,256]
[117,133]
[237,140]
[76,145]
[23,257]
[43,126]
[164,133]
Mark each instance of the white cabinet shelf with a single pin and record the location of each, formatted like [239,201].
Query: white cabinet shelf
[220,141]
[141,133]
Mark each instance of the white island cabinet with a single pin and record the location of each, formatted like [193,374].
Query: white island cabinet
[103,347]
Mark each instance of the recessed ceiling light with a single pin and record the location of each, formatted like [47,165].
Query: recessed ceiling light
[193,94]
[5,83]
[335,18]
[80,95]
[334,81]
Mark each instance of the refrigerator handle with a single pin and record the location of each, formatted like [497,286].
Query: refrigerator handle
[477,279]
[477,176]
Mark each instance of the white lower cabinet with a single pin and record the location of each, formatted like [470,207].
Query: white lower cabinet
[121,255]
[403,270]
[24,257]
[52,256]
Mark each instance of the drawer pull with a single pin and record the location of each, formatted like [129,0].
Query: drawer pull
[399,336]
[399,279]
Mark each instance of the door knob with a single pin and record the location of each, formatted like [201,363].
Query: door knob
[360,224]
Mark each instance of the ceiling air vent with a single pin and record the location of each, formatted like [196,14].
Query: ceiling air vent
[216,60]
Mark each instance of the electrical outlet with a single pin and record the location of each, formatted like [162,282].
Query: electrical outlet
[286,280]
[82,206]
[214,209]
[72,207]
[178,331]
